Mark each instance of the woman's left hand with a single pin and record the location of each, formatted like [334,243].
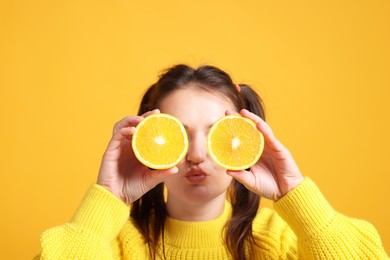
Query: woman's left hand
[276,173]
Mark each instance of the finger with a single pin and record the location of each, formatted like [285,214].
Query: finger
[167,172]
[158,176]
[127,132]
[118,137]
[230,112]
[255,118]
[133,120]
[126,122]
[155,111]
[246,178]
[269,136]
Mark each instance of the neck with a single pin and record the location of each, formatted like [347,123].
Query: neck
[204,211]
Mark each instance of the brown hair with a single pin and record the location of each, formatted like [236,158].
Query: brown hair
[149,212]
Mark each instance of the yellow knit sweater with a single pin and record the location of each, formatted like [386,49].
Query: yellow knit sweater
[304,226]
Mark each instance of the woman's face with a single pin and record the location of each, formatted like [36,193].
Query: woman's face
[199,179]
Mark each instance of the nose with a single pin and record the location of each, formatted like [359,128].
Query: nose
[197,149]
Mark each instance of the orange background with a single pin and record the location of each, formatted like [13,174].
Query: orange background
[71,69]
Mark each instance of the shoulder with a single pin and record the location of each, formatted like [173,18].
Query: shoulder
[130,232]
[131,241]
[268,221]
[272,234]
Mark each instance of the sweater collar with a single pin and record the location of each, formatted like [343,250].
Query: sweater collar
[202,234]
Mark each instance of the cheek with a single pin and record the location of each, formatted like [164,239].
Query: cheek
[172,182]
[220,174]
[225,180]
[218,169]
[183,166]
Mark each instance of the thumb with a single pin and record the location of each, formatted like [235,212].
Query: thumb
[158,176]
[246,178]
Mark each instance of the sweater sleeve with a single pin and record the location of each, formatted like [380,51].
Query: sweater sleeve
[92,232]
[323,233]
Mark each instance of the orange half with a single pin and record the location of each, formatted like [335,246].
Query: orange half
[235,143]
[160,141]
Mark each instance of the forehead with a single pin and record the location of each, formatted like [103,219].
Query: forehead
[192,105]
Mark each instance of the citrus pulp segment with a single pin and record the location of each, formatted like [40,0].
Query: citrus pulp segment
[160,141]
[235,143]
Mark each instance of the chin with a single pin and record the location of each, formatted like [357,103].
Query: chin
[201,195]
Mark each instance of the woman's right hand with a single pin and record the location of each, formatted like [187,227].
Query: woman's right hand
[120,171]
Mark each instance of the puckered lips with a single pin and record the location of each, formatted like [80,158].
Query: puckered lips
[196,176]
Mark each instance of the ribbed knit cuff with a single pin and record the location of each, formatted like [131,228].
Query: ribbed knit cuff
[305,209]
[101,213]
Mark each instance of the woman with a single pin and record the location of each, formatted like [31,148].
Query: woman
[208,212]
